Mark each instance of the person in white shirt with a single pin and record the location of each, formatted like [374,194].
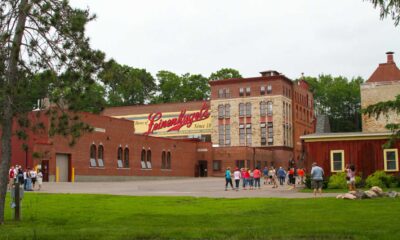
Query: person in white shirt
[236,176]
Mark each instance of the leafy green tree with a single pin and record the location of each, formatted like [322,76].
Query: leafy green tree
[339,99]
[126,85]
[44,53]
[225,73]
[174,88]
[388,8]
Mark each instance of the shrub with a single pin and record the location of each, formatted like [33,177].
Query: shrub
[307,182]
[381,179]
[337,181]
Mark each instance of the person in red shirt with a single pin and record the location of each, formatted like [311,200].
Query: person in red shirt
[300,173]
[11,176]
[257,176]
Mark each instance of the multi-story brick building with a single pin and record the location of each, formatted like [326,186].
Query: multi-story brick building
[269,113]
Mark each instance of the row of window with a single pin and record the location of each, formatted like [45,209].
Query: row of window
[245,134]
[225,92]
[390,158]
[224,110]
[217,164]
[97,158]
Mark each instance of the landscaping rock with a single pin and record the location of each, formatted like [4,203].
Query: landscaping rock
[349,196]
[359,194]
[340,196]
[392,194]
[371,194]
[377,190]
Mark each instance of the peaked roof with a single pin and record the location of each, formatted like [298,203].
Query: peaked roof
[386,72]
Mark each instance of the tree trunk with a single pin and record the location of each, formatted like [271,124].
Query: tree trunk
[7,118]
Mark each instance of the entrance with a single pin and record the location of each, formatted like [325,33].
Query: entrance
[45,170]
[203,168]
[62,164]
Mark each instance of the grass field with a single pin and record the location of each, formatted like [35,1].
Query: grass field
[66,216]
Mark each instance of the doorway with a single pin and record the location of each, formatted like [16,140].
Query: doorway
[45,170]
[203,169]
[63,166]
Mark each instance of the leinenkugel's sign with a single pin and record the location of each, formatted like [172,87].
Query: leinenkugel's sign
[167,124]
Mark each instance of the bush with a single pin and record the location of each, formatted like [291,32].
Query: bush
[337,181]
[307,182]
[381,179]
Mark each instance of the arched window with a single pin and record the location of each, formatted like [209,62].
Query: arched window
[221,111]
[93,162]
[143,159]
[168,160]
[163,160]
[119,158]
[241,109]
[269,108]
[126,158]
[263,109]
[149,158]
[100,156]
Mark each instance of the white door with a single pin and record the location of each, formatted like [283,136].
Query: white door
[63,167]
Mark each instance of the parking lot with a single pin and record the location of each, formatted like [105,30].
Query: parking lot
[196,187]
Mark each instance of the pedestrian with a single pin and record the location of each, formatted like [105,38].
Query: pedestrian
[39,178]
[247,177]
[272,175]
[236,176]
[33,177]
[257,178]
[317,176]
[300,173]
[281,175]
[351,177]
[243,176]
[11,176]
[265,173]
[28,180]
[228,178]
[25,181]
[251,179]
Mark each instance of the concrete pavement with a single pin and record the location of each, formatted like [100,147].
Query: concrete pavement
[195,187]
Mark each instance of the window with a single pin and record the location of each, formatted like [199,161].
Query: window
[263,109]
[269,89]
[148,158]
[241,91]
[119,158]
[217,165]
[220,93]
[240,163]
[241,109]
[143,159]
[221,111]
[241,134]
[221,135]
[169,160]
[126,158]
[93,162]
[163,160]
[248,91]
[248,135]
[270,133]
[227,111]
[269,108]
[227,134]
[263,134]
[227,93]
[337,160]
[100,156]
[391,158]
[262,90]
[248,109]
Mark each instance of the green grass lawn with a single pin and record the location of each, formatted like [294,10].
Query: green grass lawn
[307,190]
[73,216]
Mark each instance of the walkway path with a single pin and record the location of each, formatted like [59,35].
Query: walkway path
[196,187]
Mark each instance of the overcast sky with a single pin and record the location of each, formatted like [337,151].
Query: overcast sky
[340,37]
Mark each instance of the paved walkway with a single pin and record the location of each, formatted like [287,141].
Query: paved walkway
[196,187]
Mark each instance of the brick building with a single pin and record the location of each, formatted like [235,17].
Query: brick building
[364,149]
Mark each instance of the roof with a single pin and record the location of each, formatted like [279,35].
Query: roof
[251,79]
[386,71]
[344,136]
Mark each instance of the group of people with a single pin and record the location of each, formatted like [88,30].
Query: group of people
[251,179]
[29,178]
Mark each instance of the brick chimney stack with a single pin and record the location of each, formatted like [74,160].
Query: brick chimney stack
[390,57]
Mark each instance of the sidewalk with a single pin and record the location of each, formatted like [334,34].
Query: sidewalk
[195,187]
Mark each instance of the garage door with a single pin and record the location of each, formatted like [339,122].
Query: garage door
[62,164]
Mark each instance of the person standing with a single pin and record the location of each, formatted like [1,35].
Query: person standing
[272,176]
[236,176]
[300,173]
[257,178]
[265,173]
[11,176]
[33,177]
[317,176]
[228,178]
[281,175]
[351,177]
[39,178]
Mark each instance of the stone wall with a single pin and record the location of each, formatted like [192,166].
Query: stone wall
[372,93]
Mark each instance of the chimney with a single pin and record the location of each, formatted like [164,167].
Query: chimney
[389,56]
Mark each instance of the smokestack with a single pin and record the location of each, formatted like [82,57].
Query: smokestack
[389,56]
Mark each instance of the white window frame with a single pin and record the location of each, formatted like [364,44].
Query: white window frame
[396,152]
[343,160]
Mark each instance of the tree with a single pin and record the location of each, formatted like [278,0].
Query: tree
[225,73]
[339,99]
[174,88]
[388,8]
[126,85]
[44,53]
